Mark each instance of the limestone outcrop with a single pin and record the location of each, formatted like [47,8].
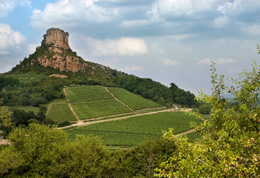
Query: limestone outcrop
[57,37]
[59,55]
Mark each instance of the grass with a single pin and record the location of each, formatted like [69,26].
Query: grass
[98,108]
[60,112]
[87,93]
[134,101]
[193,136]
[135,130]
[35,110]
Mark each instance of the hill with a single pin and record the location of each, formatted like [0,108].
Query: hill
[95,102]
[39,78]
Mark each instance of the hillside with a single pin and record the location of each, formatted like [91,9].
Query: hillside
[39,78]
[84,103]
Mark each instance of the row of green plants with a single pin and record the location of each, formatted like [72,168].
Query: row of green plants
[99,108]
[133,131]
[60,112]
[87,93]
[132,100]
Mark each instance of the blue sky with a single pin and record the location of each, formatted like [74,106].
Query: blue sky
[166,40]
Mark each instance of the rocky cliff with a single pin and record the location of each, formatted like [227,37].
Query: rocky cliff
[57,37]
[56,53]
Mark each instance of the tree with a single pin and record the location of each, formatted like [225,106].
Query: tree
[204,108]
[6,124]
[229,146]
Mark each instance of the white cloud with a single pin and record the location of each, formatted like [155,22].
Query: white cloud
[68,13]
[217,61]
[125,46]
[225,61]
[205,61]
[7,6]
[32,48]
[252,29]
[238,6]
[131,69]
[10,40]
[7,68]
[133,23]
[170,62]
[221,21]
[183,7]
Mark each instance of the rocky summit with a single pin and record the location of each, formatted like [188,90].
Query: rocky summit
[57,53]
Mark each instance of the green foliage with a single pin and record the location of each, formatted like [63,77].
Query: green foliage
[156,91]
[6,124]
[43,152]
[40,151]
[99,108]
[60,112]
[230,138]
[87,93]
[134,101]
[205,108]
[183,97]
[8,81]
[9,160]
[35,110]
[86,157]
[32,145]
[32,90]
[140,161]
[133,131]
[147,88]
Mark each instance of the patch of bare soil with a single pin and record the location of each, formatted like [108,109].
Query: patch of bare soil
[4,142]
[58,75]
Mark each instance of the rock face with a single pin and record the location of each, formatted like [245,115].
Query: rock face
[57,37]
[61,63]
[59,55]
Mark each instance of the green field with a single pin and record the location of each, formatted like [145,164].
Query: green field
[98,108]
[135,130]
[60,112]
[134,101]
[87,93]
[35,110]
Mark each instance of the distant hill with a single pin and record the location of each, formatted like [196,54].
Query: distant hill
[39,78]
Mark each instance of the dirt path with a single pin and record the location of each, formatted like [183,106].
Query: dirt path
[96,121]
[186,132]
[74,113]
[79,121]
[65,93]
[115,119]
[118,99]
[48,109]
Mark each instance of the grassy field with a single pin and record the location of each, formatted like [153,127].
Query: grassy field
[60,112]
[98,108]
[135,130]
[134,101]
[27,108]
[87,93]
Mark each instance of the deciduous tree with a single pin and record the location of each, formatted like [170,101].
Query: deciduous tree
[229,146]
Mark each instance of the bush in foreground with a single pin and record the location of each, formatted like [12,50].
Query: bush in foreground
[229,146]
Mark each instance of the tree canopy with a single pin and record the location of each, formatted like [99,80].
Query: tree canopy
[230,138]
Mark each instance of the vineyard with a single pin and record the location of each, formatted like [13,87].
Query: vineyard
[60,112]
[87,93]
[135,130]
[94,109]
[132,100]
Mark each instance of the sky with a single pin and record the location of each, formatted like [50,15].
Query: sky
[165,40]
